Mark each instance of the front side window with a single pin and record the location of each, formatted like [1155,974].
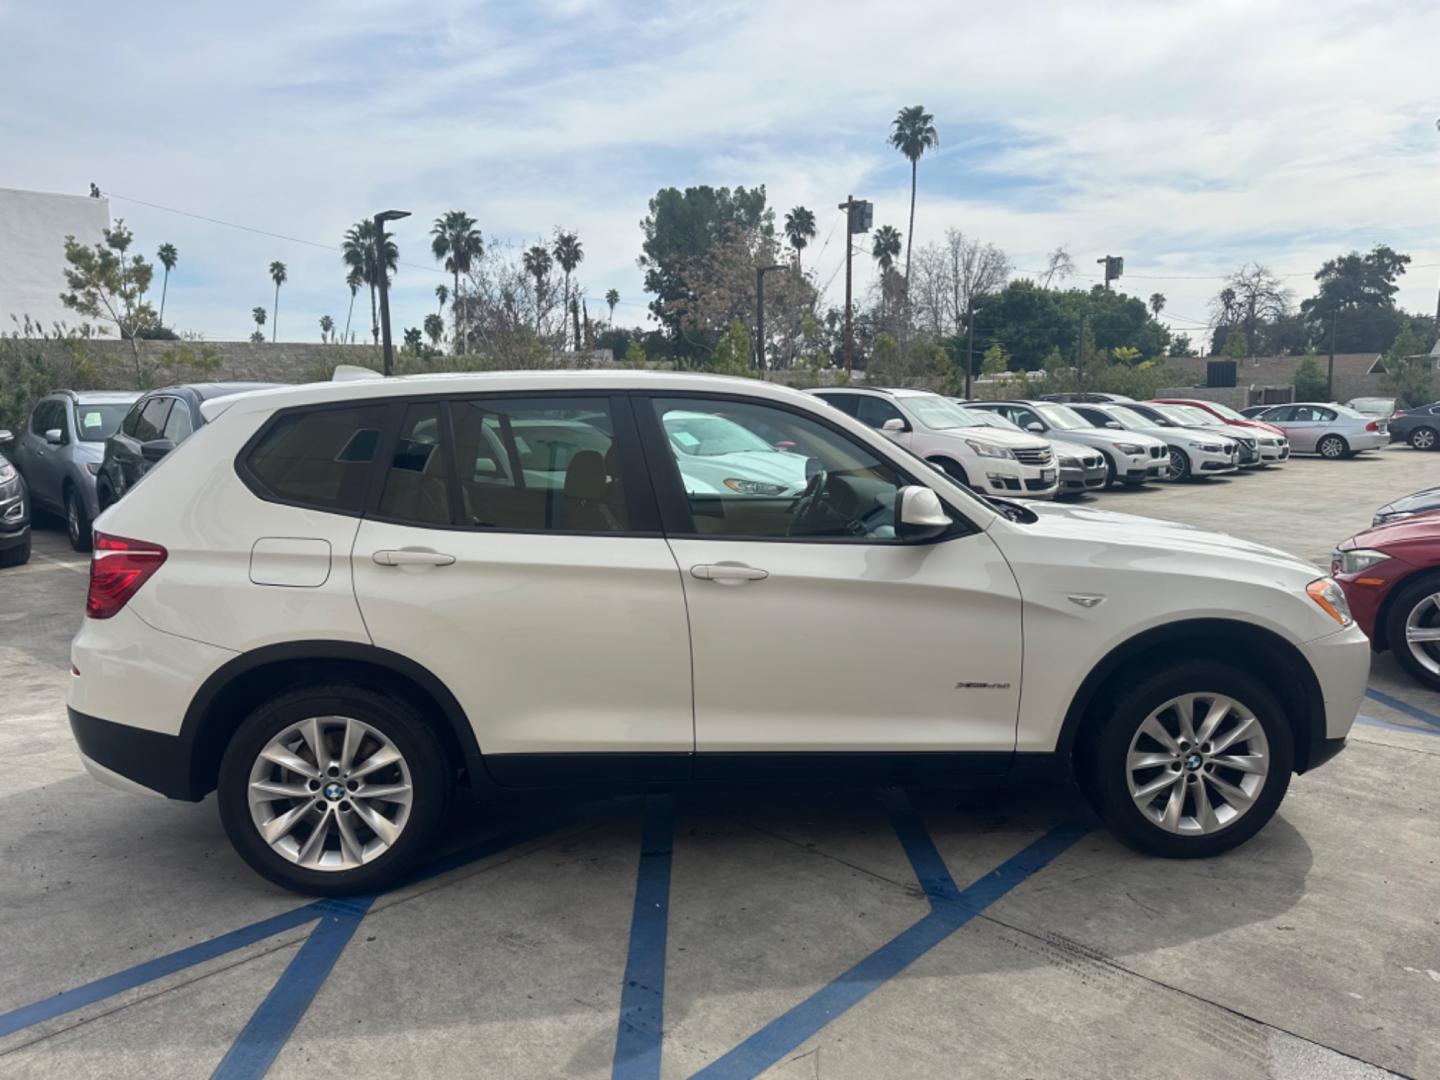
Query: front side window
[540,464]
[152,419]
[318,458]
[47,415]
[821,486]
[178,425]
[874,411]
[846,403]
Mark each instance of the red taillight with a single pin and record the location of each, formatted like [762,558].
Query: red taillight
[118,567]
[1372,426]
[1397,412]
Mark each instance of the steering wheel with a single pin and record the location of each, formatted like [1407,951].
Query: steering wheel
[809,504]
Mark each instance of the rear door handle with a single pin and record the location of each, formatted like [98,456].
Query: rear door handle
[728,573]
[411,557]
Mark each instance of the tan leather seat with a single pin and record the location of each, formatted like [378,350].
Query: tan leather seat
[587,488]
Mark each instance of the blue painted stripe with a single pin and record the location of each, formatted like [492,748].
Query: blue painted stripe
[70,1000]
[642,996]
[1388,726]
[1412,711]
[786,1033]
[269,1028]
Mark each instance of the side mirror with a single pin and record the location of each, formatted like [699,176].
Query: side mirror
[156,449]
[894,424]
[1035,425]
[54,436]
[919,514]
[1114,424]
[6,435]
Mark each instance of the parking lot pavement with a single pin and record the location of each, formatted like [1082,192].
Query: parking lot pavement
[738,932]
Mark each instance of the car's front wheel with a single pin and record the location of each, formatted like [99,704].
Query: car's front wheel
[1413,629]
[1190,762]
[1179,465]
[1423,438]
[333,790]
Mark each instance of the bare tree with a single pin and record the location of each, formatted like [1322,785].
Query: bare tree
[1058,264]
[1252,295]
[950,277]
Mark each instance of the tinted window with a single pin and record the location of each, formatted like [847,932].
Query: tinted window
[178,425]
[1284,413]
[96,423]
[152,419]
[846,403]
[318,458]
[539,464]
[47,415]
[132,418]
[875,411]
[417,483]
[824,487]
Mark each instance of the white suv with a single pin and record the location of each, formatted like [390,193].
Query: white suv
[337,604]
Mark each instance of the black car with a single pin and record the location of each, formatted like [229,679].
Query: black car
[1421,502]
[14,513]
[1419,427]
[157,423]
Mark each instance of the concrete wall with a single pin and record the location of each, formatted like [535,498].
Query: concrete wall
[33,227]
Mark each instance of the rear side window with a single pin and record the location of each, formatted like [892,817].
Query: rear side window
[417,485]
[132,418]
[179,426]
[318,458]
[152,419]
[47,415]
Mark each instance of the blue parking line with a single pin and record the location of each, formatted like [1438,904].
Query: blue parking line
[642,995]
[951,908]
[265,1035]
[1412,711]
[1371,721]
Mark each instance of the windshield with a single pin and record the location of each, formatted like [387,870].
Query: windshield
[709,436]
[1226,411]
[96,423]
[1129,419]
[986,418]
[1193,417]
[936,413]
[1063,417]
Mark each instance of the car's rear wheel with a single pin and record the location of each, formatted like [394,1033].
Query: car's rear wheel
[333,790]
[1179,465]
[77,521]
[1332,447]
[1412,627]
[1191,762]
[18,555]
[1423,438]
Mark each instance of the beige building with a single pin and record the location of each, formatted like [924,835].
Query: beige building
[33,227]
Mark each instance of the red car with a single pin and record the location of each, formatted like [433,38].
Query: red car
[1391,578]
[1273,446]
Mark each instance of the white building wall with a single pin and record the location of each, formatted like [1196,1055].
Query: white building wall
[33,227]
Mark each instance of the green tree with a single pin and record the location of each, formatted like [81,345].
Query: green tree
[537,264]
[353,280]
[358,253]
[1180,345]
[1310,382]
[1409,370]
[1236,347]
[412,339]
[1126,354]
[442,293]
[885,247]
[434,329]
[455,240]
[995,361]
[912,133]
[569,254]
[327,328]
[168,257]
[108,284]
[278,275]
[1355,301]
[732,353]
[799,229]
[258,314]
[612,297]
[635,355]
[1157,304]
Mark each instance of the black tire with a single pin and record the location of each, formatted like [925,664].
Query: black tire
[1110,473]
[952,469]
[77,520]
[1423,438]
[104,497]
[1106,754]
[18,555]
[398,721]
[1332,447]
[1179,465]
[1410,596]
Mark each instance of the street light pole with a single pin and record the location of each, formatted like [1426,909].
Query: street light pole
[970,349]
[387,345]
[1330,370]
[760,273]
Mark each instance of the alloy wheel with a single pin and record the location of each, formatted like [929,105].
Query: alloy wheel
[330,793]
[1332,446]
[1179,467]
[72,518]
[1197,764]
[1422,633]
[1423,439]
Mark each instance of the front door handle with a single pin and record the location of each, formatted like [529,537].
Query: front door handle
[411,557]
[728,573]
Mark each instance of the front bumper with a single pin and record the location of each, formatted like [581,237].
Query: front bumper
[1017,480]
[1341,663]
[1273,454]
[1076,479]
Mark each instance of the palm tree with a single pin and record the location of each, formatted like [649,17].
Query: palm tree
[612,298]
[455,239]
[327,327]
[569,254]
[168,257]
[912,133]
[537,265]
[885,246]
[354,280]
[277,275]
[358,252]
[799,229]
[258,314]
[1157,304]
[442,293]
[434,328]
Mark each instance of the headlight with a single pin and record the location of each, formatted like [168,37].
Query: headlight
[1129,448]
[753,487]
[1358,559]
[7,472]
[986,450]
[1327,593]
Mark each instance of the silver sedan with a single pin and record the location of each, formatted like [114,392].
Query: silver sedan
[1330,430]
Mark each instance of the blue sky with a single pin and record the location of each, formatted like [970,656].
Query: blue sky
[1187,136]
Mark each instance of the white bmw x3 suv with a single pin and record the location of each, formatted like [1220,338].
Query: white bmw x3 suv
[337,604]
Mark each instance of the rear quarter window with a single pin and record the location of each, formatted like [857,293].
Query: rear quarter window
[317,458]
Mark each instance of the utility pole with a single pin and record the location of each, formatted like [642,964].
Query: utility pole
[1330,371]
[970,348]
[760,272]
[859,215]
[1114,267]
